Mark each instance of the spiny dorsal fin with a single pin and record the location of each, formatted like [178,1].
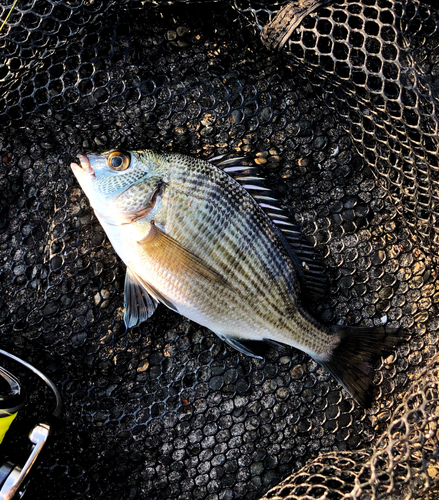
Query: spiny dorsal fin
[302,252]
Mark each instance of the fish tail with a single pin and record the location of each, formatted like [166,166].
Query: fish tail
[351,361]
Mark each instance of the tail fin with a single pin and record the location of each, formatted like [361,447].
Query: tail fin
[351,362]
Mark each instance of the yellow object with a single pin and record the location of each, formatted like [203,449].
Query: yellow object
[1,27]
[5,422]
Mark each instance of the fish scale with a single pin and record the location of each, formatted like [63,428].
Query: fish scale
[195,239]
[226,258]
[182,227]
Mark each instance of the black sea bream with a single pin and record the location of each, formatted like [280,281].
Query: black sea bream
[195,236]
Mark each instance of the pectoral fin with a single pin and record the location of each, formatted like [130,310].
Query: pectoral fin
[172,255]
[139,305]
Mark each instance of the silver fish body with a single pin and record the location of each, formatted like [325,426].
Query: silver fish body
[193,238]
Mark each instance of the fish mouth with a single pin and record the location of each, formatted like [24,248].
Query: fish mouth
[84,165]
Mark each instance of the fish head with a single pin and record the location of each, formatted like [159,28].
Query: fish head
[121,185]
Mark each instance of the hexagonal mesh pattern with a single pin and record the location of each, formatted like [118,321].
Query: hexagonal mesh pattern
[373,59]
[166,410]
[403,462]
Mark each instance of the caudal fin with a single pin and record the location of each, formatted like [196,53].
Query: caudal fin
[351,362]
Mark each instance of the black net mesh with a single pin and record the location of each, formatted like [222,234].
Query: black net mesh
[375,64]
[166,410]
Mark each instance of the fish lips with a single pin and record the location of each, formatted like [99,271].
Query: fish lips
[84,166]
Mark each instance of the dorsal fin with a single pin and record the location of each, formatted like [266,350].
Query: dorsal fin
[302,252]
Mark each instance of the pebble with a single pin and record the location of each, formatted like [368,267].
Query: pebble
[100,298]
[182,30]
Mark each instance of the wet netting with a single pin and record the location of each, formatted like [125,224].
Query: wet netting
[335,103]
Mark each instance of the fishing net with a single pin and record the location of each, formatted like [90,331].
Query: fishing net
[375,57]
[336,105]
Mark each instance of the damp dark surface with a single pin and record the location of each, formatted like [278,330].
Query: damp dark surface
[341,122]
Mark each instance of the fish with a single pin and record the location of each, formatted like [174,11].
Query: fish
[209,240]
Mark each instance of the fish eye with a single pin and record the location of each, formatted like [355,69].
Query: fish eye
[118,160]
